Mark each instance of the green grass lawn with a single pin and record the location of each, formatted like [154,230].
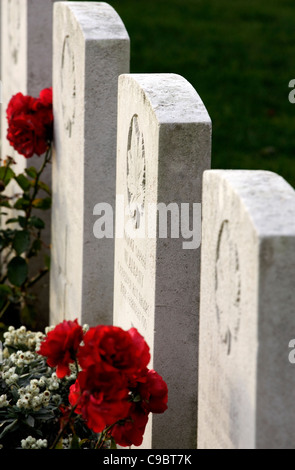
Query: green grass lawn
[240,56]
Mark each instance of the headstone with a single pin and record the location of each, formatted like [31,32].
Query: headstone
[246,382]
[26,67]
[164,145]
[90,50]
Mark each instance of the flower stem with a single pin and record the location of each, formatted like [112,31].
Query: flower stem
[103,436]
[39,173]
[62,430]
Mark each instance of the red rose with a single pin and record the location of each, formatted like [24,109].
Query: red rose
[100,398]
[150,396]
[131,430]
[43,108]
[30,123]
[153,392]
[113,349]
[61,345]
[19,104]
[45,98]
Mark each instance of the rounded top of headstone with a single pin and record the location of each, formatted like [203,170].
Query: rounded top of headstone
[96,20]
[172,98]
[265,195]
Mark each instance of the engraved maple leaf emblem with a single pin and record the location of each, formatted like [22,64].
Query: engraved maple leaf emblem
[136,172]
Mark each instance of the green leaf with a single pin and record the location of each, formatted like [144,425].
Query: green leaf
[75,442]
[35,248]
[11,221]
[21,241]
[47,261]
[6,174]
[22,221]
[32,172]
[30,421]
[5,292]
[10,427]
[21,204]
[45,187]
[59,444]
[4,203]
[23,182]
[42,203]
[36,222]
[113,444]
[17,271]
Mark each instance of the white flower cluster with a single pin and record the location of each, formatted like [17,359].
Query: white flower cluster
[53,382]
[32,443]
[30,396]
[22,337]
[3,401]
[9,375]
[73,372]
[22,358]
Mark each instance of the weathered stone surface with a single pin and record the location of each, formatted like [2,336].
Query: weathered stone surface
[246,383]
[91,49]
[26,67]
[164,145]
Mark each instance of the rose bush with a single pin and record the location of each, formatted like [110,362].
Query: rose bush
[30,132]
[103,401]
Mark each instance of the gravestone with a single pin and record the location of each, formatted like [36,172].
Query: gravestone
[90,50]
[246,382]
[164,145]
[26,67]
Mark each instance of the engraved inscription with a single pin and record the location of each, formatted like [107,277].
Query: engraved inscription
[136,172]
[132,278]
[227,287]
[14,22]
[68,85]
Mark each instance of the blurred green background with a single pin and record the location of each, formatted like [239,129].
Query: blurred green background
[240,57]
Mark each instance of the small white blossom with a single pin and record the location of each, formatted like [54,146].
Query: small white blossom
[45,397]
[3,401]
[53,382]
[54,385]
[10,376]
[42,382]
[36,403]
[23,403]
[32,443]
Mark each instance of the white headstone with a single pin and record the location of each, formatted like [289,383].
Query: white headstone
[26,67]
[246,382]
[164,145]
[90,50]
